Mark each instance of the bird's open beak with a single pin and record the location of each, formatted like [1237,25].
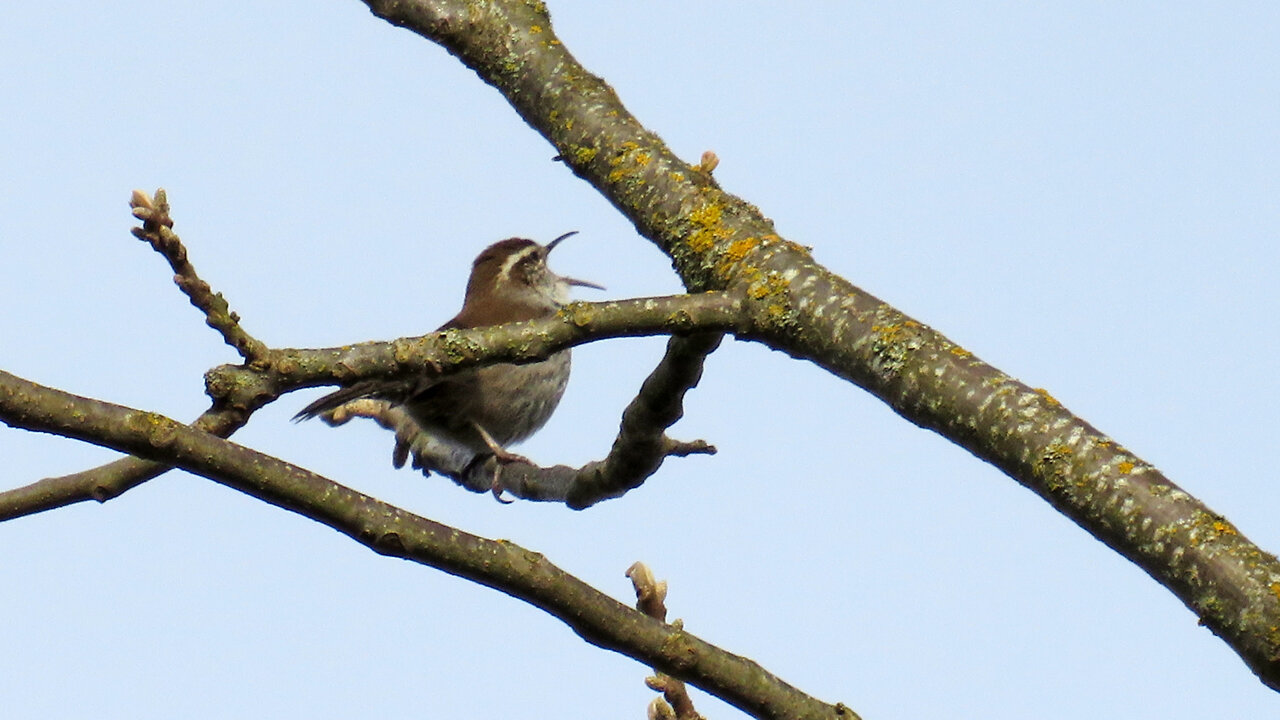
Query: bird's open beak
[581,283]
[572,281]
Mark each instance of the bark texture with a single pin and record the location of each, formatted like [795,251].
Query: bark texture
[720,242]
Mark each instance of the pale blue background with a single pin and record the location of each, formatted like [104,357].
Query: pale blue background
[1084,194]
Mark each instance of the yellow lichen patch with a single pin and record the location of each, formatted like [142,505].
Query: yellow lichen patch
[894,332]
[960,352]
[1275,589]
[1045,394]
[679,320]
[584,155]
[1057,451]
[738,249]
[771,284]
[708,227]
[730,261]
[619,162]
[554,117]
[1224,528]
[707,216]
[1125,467]
[535,29]
[577,313]
[676,176]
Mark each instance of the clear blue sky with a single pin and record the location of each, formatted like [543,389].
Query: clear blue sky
[1084,194]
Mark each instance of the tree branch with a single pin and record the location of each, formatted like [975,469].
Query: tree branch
[112,479]
[157,231]
[651,599]
[104,482]
[392,531]
[719,241]
[637,453]
[239,390]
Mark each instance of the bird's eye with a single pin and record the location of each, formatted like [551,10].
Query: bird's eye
[527,266]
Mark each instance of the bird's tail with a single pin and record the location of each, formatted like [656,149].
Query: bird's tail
[337,399]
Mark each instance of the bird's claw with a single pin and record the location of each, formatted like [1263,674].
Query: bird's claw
[502,459]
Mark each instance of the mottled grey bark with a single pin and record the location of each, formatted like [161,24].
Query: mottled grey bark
[391,531]
[718,241]
[758,287]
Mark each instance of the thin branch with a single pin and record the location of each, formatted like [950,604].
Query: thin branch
[239,390]
[642,443]
[452,350]
[104,482]
[392,531]
[638,452]
[233,402]
[651,597]
[157,231]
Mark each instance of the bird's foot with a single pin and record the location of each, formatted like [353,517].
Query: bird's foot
[503,459]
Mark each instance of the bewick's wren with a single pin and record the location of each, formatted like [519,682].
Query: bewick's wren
[465,420]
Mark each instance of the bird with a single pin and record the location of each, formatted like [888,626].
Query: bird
[460,425]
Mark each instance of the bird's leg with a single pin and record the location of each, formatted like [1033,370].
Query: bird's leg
[503,456]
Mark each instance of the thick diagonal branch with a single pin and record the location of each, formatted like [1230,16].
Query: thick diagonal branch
[719,241]
[391,531]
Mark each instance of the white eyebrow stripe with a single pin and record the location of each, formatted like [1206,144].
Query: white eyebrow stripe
[515,258]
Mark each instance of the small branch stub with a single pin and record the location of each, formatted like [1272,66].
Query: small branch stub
[651,599]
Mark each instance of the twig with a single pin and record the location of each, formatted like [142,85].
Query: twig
[642,443]
[651,596]
[157,231]
[238,390]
